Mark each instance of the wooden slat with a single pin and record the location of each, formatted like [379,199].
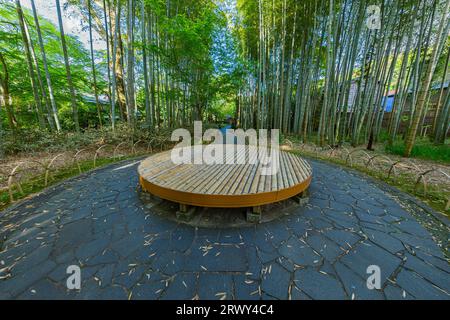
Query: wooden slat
[295,169]
[252,176]
[239,185]
[219,174]
[226,179]
[237,175]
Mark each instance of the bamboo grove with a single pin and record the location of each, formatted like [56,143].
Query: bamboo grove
[156,69]
[311,58]
[318,69]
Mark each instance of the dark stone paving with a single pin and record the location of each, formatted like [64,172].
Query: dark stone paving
[321,251]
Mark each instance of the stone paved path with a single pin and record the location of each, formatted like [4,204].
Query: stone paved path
[322,251]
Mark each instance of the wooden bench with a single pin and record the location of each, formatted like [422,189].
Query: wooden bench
[225,185]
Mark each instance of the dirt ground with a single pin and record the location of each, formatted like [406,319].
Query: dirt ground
[412,168]
[31,165]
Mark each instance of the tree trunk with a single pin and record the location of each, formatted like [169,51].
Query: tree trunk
[67,65]
[120,80]
[411,136]
[130,64]
[443,124]
[114,66]
[31,74]
[48,111]
[441,94]
[5,98]
[325,107]
[94,76]
[148,115]
[47,73]
[108,56]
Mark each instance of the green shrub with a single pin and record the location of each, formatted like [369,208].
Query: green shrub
[423,149]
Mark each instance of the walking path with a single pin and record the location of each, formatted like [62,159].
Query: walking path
[321,251]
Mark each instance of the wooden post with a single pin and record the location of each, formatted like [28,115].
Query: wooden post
[302,198]
[254,214]
[185,212]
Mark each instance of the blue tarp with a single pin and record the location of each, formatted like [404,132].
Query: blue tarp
[389,101]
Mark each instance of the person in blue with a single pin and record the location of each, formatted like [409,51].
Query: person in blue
[229,124]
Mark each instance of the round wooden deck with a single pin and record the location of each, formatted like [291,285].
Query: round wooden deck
[224,185]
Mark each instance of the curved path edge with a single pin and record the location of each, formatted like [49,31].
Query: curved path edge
[321,251]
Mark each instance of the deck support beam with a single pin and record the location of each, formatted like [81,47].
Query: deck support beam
[302,198]
[185,212]
[254,214]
